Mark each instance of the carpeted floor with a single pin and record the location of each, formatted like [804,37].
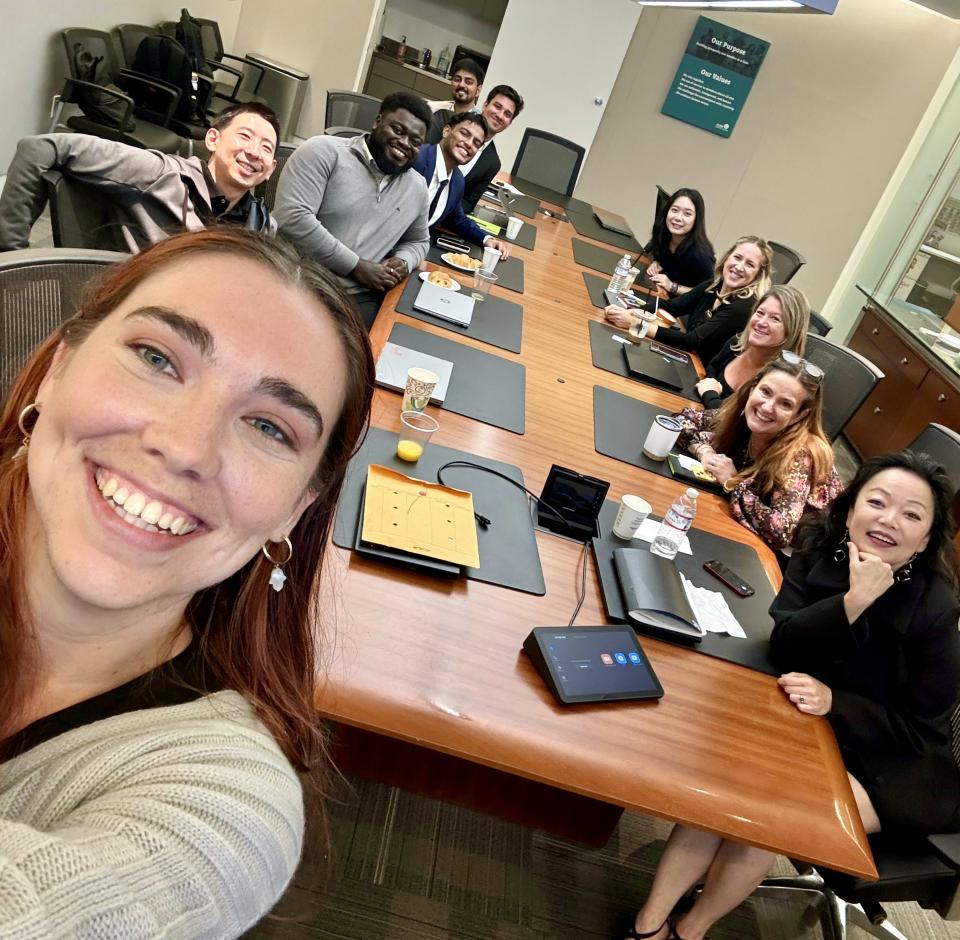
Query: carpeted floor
[407,868]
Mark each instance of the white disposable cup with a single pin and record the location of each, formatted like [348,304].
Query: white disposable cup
[490,258]
[513,227]
[646,318]
[661,437]
[633,510]
[420,386]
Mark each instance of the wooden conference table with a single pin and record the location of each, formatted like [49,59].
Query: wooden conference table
[430,689]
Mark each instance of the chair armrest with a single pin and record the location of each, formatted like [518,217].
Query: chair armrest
[70,85]
[171,92]
[217,66]
[947,846]
[247,62]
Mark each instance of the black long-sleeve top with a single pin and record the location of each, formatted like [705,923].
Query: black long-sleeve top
[706,329]
[689,266]
[715,369]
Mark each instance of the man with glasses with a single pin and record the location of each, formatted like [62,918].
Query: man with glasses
[353,205]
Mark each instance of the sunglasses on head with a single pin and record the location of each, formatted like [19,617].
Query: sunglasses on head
[811,368]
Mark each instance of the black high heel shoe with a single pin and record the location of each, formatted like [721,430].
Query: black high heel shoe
[633,935]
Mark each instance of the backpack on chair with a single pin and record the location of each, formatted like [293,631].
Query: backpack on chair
[166,60]
[99,107]
[191,38]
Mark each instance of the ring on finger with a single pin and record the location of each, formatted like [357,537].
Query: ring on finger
[803,701]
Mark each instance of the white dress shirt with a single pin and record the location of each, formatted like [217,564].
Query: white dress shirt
[440,175]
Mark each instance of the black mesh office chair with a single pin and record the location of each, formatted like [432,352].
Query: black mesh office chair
[818,324]
[133,129]
[848,379]
[786,263]
[39,289]
[350,109]
[548,160]
[269,189]
[343,131]
[943,445]
[923,870]
[80,215]
[663,200]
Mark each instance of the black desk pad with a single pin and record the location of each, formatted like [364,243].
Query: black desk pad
[600,259]
[521,205]
[587,225]
[751,612]
[527,238]
[552,196]
[509,271]
[485,387]
[607,354]
[596,285]
[620,426]
[508,549]
[495,321]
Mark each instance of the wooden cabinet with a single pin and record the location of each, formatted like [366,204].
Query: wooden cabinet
[916,389]
[388,75]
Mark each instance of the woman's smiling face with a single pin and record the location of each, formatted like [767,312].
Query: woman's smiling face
[182,433]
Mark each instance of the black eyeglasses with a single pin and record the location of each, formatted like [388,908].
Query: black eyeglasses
[811,368]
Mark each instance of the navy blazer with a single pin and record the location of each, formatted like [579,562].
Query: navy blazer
[453,217]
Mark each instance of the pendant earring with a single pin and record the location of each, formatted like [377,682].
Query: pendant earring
[840,552]
[277,577]
[22,424]
[906,572]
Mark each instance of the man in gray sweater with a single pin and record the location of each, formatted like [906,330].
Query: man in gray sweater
[353,204]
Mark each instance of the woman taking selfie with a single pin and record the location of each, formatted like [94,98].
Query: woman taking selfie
[682,253]
[766,447]
[779,321]
[169,471]
[866,621]
[716,309]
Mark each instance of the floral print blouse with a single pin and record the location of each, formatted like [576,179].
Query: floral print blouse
[774,517]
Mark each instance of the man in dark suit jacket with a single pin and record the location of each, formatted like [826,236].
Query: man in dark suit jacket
[439,164]
[503,104]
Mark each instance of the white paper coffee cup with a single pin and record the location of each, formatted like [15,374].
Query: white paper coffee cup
[420,386]
[633,510]
[661,437]
[513,227]
[490,258]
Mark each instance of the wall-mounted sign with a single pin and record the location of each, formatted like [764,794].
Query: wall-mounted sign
[715,76]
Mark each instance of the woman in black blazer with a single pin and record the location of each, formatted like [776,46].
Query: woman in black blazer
[866,622]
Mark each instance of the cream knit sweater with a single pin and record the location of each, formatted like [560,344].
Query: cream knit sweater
[185,821]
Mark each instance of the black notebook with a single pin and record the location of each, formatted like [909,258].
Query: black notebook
[653,594]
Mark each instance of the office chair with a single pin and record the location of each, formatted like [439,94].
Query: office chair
[350,109]
[924,870]
[269,188]
[39,289]
[943,445]
[819,325]
[848,379]
[786,263]
[132,129]
[343,131]
[663,200]
[80,215]
[548,160]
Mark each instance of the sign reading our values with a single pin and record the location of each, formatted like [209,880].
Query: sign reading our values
[715,76]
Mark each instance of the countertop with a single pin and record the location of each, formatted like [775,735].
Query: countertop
[434,73]
[924,327]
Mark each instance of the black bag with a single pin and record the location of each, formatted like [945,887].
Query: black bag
[191,38]
[165,59]
[100,107]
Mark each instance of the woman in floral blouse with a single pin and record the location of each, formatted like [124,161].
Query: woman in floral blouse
[767,448]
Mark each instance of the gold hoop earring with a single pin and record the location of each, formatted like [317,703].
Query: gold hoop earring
[277,577]
[22,424]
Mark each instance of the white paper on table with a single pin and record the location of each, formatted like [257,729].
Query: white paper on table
[711,610]
[511,189]
[648,531]
[688,463]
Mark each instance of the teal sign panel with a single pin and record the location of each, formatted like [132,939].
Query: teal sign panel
[715,76]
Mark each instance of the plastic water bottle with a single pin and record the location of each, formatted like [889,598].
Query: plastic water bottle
[621,276]
[676,523]
[444,60]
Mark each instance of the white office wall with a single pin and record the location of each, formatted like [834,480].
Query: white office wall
[832,111]
[560,55]
[433,24]
[328,39]
[35,63]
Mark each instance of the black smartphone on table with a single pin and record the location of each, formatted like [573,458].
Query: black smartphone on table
[729,577]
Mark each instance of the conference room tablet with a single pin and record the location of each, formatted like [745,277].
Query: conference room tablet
[592,664]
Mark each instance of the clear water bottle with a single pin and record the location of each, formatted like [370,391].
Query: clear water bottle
[444,61]
[621,276]
[676,523]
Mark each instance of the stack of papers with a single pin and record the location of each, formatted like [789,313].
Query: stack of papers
[711,610]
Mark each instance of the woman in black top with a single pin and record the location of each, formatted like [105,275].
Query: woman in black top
[682,253]
[779,321]
[717,309]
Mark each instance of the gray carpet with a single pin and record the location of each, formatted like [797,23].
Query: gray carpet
[407,868]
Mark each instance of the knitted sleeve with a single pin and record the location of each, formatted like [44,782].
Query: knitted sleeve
[173,822]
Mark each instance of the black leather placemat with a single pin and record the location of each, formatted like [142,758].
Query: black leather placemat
[521,205]
[607,354]
[600,259]
[509,271]
[485,387]
[527,237]
[551,196]
[588,226]
[508,548]
[495,321]
[751,612]
[595,285]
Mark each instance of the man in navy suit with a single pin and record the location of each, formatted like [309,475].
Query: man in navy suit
[439,164]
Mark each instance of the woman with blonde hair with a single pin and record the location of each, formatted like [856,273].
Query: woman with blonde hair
[765,445]
[779,321]
[170,464]
[717,308]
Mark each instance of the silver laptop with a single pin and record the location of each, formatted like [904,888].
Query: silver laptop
[449,305]
[612,222]
[395,360]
